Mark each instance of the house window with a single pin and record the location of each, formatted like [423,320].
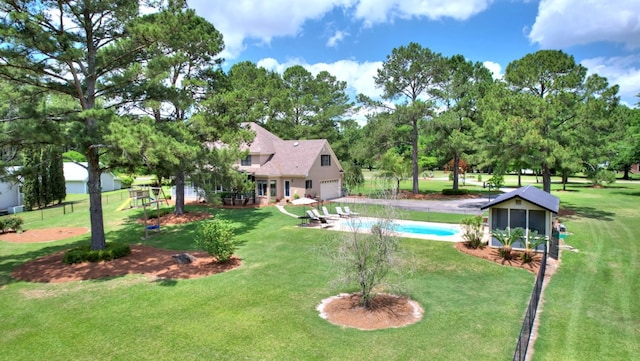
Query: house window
[246,161]
[325,160]
[308,184]
[262,187]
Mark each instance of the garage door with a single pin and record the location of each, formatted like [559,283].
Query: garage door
[329,189]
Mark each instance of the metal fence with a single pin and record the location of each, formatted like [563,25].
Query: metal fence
[69,207]
[522,344]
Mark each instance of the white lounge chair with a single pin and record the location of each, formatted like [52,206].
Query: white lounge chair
[349,212]
[341,213]
[329,215]
[314,218]
[318,215]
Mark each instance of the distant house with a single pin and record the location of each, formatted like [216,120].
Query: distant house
[10,196]
[283,169]
[528,207]
[76,177]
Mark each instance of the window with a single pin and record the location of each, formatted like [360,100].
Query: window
[325,160]
[246,161]
[262,188]
[308,184]
[272,188]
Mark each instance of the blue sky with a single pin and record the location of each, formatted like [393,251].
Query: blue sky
[351,38]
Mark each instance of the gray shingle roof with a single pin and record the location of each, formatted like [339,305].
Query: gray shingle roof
[288,157]
[530,194]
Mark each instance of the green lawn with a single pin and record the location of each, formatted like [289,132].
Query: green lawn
[265,310]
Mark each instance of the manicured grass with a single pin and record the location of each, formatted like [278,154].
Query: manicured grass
[263,310]
[266,308]
[591,309]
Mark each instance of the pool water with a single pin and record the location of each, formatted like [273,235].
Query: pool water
[416,228]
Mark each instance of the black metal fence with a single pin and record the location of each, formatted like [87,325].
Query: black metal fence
[522,344]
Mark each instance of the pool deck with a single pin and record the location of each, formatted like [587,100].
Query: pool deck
[348,224]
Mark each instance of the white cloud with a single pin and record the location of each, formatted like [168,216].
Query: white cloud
[359,76]
[261,20]
[624,71]
[563,23]
[258,20]
[495,68]
[337,37]
[379,11]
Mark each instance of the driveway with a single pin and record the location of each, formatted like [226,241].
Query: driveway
[462,206]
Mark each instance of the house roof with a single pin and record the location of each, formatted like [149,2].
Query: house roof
[264,141]
[75,172]
[530,194]
[78,171]
[287,157]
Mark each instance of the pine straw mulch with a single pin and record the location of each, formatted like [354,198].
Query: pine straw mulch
[493,255]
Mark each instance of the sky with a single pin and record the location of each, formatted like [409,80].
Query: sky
[352,38]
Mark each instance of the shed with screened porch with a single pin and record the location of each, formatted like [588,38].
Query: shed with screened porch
[528,207]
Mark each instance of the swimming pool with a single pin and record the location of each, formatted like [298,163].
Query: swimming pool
[412,229]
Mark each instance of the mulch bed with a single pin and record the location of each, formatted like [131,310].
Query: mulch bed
[493,255]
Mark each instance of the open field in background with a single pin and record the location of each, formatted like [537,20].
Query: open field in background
[266,308]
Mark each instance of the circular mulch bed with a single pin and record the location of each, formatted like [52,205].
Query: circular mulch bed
[387,311]
[171,218]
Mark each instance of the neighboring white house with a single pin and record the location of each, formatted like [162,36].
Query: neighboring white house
[10,196]
[76,177]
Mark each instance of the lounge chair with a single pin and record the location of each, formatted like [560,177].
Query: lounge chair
[329,215]
[318,215]
[341,213]
[350,213]
[313,218]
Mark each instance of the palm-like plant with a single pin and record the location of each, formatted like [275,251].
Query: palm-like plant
[507,238]
[531,244]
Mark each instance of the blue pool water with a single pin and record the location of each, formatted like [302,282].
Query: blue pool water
[416,228]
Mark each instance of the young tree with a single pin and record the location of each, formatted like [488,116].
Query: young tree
[75,49]
[394,166]
[410,76]
[369,260]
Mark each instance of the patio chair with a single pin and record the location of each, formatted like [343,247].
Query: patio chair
[349,212]
[329,215]
[318,215]
[341,213]
[314,219]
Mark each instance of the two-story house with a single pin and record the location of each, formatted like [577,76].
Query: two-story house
[283,169]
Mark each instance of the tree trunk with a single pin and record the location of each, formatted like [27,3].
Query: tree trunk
[456,165]
[519,177]
[627,168]
[565,180]
[414,155]
[98,241]
[546,178]
[179,207]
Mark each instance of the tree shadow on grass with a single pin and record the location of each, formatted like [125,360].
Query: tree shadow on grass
[570,211]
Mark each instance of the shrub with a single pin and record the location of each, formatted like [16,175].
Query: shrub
[507,238]
[496,181]
[112,251]
[479,178]
[602,177]
[454,192]
[125,181]
[11,223]
[217,238]
[472,231]
[532,241]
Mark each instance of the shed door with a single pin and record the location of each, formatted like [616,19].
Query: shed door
[329,189]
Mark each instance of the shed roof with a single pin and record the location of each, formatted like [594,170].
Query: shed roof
[530,194]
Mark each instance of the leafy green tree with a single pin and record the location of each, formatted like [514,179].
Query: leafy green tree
[563,101]
[457,126]
[82,50]
[394,166]
[410,77]
[627,142]
[43,176]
